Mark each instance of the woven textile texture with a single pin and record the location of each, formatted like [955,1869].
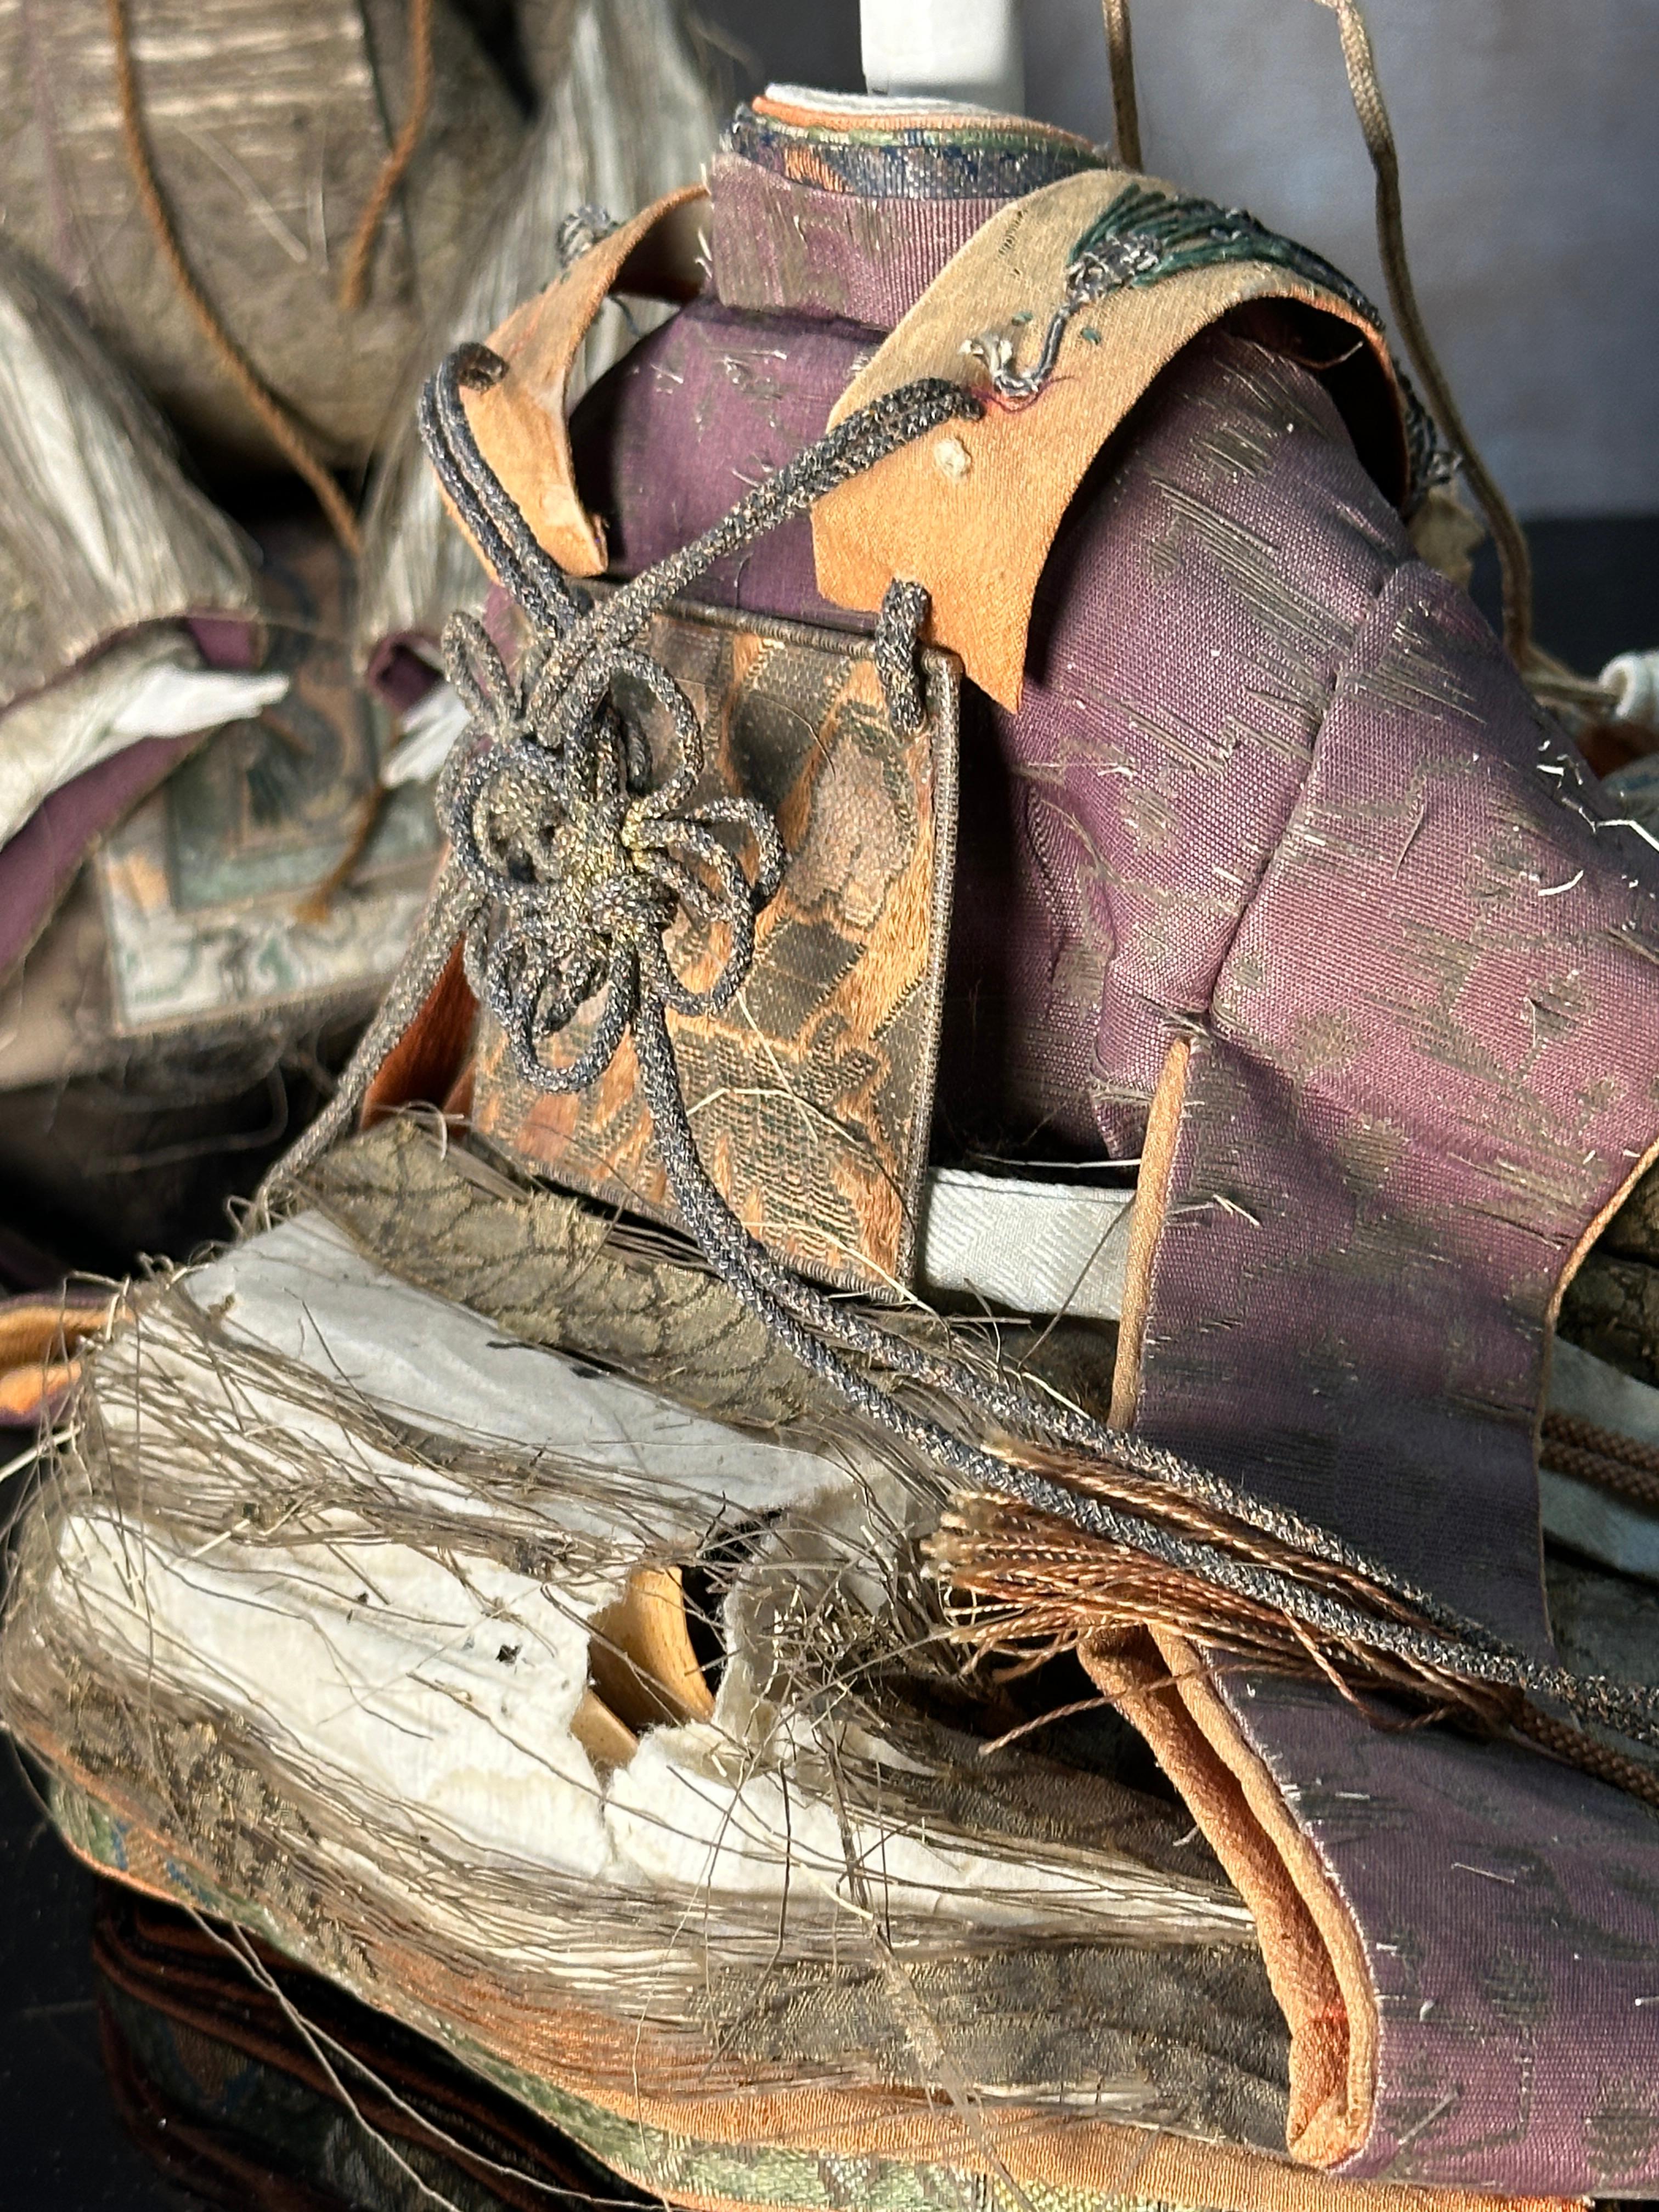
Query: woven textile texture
[266,137]
[815,1091]
[1272,782]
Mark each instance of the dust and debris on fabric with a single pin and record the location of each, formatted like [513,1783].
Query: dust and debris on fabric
[828,1223]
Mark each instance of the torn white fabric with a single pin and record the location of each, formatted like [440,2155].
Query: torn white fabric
[175,701]
[403,1629]
[437,1696]
[151,686]
[1029,1247]
[303,1289]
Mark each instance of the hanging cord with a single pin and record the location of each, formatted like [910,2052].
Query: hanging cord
[1589,1453]
[510,549]
[1514,556]
[572,866]
[1212,1573]
[354,283]
[527,728]
[1126,108]
[318,904]
[284,429]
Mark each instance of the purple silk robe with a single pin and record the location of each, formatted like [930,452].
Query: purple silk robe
[1273,785]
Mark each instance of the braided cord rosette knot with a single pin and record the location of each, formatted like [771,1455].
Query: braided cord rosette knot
[583,867]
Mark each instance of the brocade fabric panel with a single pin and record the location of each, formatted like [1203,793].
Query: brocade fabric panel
[555,1270]
[811,1096]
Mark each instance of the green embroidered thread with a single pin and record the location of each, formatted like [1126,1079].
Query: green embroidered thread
[1146,235]
[1177,233]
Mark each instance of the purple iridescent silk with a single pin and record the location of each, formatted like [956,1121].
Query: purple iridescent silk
[1427,1066]
[1273,783]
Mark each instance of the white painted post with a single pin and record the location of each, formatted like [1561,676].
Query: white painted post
[958,49]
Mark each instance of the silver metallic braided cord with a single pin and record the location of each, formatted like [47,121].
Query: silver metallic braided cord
[571,864]
[584,860]
[451,907]
[506,544]
[904,610]
[479,675]
[587,653]
[514,719]
[602,931]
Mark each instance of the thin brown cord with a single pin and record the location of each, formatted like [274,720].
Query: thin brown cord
[1574,1746]
[1126,110]
[318,904]
[1611,1443]
[354,284]
[285,431]
[1600,1457]
[1514,557]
